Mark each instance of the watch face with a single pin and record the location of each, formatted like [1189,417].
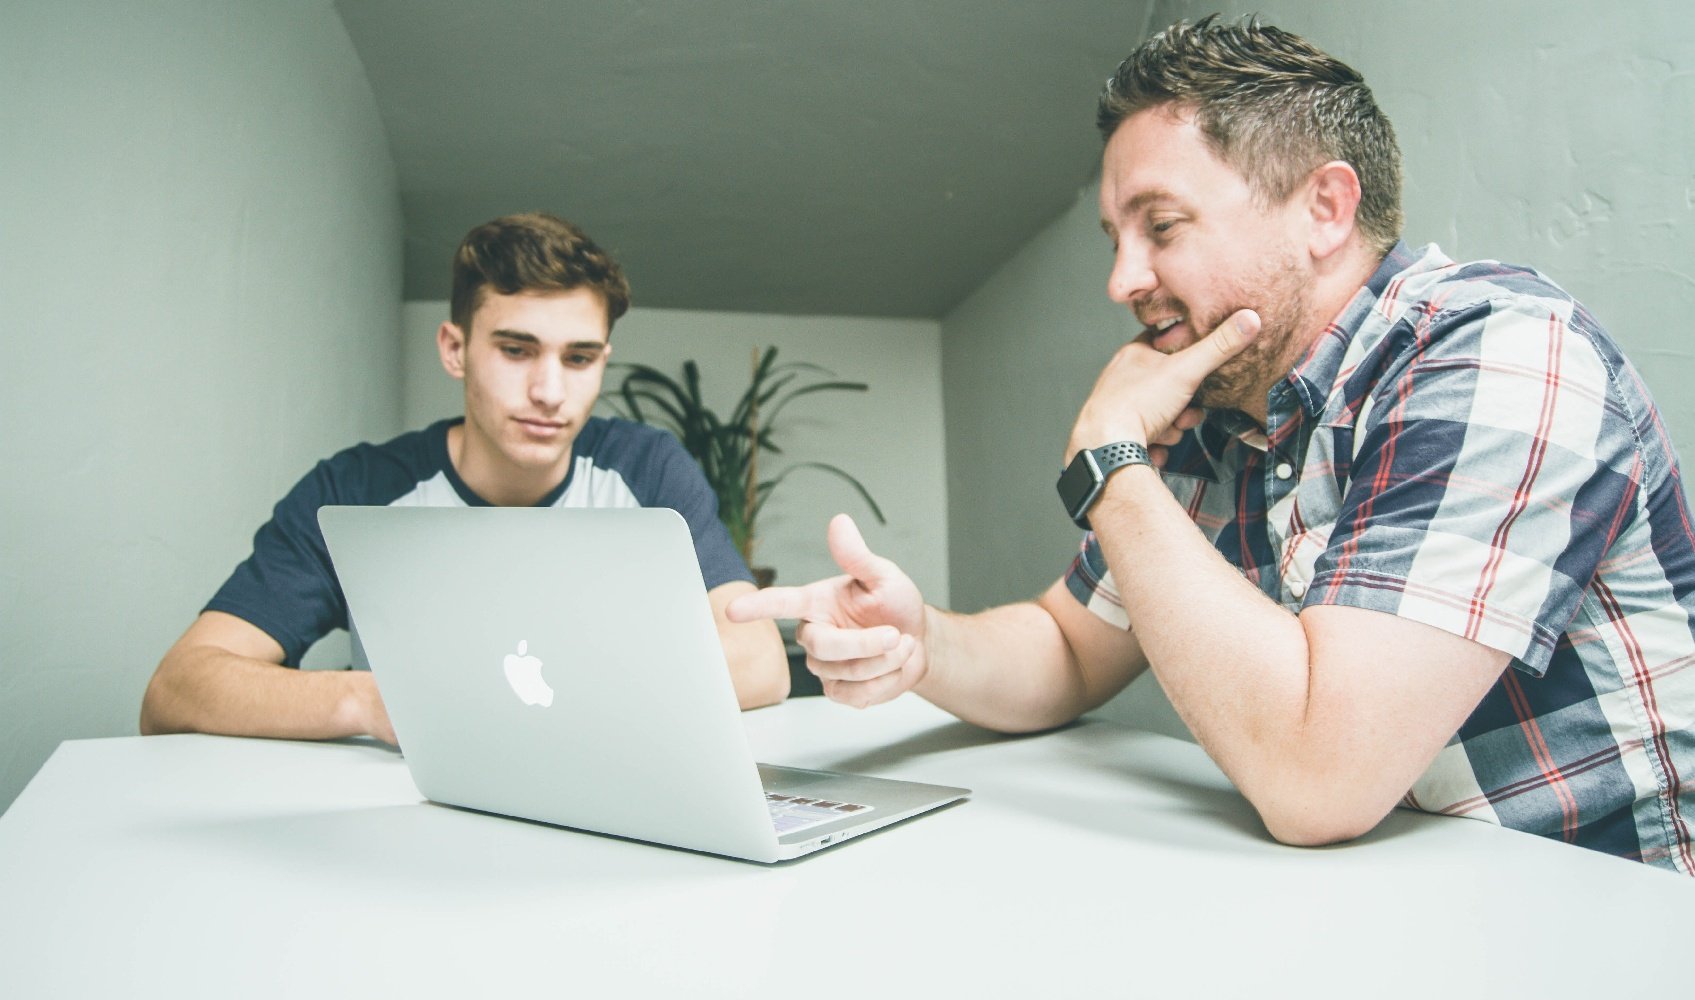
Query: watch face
[1077,483]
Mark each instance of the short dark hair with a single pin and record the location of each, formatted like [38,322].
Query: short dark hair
[532,252]
[1271,105]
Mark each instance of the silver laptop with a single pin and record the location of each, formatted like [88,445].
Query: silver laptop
[563,666]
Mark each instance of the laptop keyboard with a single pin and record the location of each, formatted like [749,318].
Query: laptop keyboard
[797,812]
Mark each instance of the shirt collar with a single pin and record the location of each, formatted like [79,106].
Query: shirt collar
[1312,380]
[1314,377]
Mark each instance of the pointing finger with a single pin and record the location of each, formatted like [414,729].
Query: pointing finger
[772,602]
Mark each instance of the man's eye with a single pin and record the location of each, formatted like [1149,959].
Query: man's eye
[512,351]
[579,360]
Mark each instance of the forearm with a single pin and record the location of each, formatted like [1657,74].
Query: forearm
[1010,669]
[753,651]
[759,667]
[1234,664]
[210,690]
[1322,720]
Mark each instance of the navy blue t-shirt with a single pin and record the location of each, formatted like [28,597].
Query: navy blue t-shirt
[288,588]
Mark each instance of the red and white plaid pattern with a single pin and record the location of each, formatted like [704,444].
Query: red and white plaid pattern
[1471,450]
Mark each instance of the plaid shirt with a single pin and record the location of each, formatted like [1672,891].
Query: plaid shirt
[1466,447]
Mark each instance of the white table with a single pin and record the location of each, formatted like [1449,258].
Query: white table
[1093,861]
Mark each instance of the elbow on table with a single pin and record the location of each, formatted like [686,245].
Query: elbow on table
[170,702]
[769,688]
[1316,831]
[1023,719]
[1320,817]
[153,720]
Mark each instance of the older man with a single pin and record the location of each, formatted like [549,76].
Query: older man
[1389,529]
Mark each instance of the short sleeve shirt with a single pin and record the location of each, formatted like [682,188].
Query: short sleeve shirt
[288,588]
[1466,447]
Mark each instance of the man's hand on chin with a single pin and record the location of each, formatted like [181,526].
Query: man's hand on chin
[1148,397]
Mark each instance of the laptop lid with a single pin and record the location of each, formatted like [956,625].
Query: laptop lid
[563,666]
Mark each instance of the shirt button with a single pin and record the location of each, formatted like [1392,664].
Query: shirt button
[1283,471]
[1298,589]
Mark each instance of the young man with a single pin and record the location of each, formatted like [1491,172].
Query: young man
[1388,529]
[533,305]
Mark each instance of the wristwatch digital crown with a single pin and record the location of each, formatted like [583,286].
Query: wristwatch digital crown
[1081,482]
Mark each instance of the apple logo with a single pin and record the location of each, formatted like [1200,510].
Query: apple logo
[523,672]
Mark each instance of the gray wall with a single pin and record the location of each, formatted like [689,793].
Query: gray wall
[1558,135]
[199,264]
[200,271]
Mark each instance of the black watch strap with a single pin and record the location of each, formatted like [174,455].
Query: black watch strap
[1081,482]
[1110,456]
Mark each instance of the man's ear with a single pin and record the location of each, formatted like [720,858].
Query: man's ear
[1333,198]
[450,341]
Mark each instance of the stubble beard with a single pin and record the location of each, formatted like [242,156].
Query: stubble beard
[1279,296]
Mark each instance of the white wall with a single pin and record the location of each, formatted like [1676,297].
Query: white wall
[1558,135]
[200,272]
[889,438]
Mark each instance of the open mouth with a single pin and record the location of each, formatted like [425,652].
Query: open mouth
[1166,336]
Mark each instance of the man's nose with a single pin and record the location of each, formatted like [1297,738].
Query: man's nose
[547,385]
[1132,275]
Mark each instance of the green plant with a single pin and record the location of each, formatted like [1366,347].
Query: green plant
[728,450]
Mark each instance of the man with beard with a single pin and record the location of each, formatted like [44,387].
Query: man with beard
[1389,529]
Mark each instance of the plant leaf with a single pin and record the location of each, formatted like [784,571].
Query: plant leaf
[770,485]
[723,448]
[807,390]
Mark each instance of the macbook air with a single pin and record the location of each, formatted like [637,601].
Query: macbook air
[563,666]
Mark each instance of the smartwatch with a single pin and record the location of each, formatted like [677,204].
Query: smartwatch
[1081,482]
